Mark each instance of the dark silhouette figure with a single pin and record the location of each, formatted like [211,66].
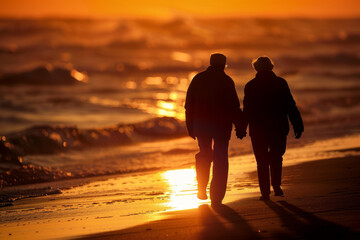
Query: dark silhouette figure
[268,104]
[212,106]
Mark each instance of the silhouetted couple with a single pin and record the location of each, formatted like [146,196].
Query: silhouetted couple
[212,107]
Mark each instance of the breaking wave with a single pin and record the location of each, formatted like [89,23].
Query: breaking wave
[44,140]
[53,139]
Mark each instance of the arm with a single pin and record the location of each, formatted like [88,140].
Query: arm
[238,118]
[189,106]
[245,118]
[294,114]
[189,123]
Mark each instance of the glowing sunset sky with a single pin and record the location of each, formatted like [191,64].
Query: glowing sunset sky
[168,8]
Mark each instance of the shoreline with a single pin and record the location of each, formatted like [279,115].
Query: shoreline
[238,153]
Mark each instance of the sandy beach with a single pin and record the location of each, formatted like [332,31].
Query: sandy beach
[320,180]
[321,202]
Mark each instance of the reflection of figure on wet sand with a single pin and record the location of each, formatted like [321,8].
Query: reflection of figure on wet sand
[212,107]
[304,225]
[224,223]
[268,104]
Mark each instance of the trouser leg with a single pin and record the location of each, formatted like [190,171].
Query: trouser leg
[203,162]
[220,170]
[260,148]
[277,149]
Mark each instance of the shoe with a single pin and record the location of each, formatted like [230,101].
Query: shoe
[264,198]
[202,195]
[278,191]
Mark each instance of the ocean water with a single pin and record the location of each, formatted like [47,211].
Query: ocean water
[81,98]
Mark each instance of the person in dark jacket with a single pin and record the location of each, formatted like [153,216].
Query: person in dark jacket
[212,107]
[268,104]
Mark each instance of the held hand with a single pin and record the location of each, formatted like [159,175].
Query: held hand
[241,134]
[298,135]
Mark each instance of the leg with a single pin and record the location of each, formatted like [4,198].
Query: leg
[277,149]
[260,148]
[202,164]
[220,170]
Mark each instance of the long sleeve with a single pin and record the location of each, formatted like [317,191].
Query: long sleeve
[293,112]
[245,117]
[235,109]
[189,102]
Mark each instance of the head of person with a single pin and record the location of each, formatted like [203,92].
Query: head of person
[263,64]
[218,60]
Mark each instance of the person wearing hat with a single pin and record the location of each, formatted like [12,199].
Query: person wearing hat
[212,107]
[268,104]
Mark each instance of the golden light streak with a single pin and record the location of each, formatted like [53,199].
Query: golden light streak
[181,56]
[165,113]
[152,81]
[81,77]
[104,101]
[173,96]
[131,85]
[172,80]
[182,189]
[166,105]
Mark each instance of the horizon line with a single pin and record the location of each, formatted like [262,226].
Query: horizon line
[229,17]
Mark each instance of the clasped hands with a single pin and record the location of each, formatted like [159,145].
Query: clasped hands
[240,133]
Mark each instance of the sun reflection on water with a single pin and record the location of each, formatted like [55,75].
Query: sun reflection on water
[166,105]
[170,109]
[182,189]
[81,77]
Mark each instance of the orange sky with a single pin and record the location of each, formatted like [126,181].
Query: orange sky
[169,8]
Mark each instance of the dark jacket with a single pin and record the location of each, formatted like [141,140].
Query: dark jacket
[212,104]
[268,104]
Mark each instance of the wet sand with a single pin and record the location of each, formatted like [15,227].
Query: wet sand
[322,201]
